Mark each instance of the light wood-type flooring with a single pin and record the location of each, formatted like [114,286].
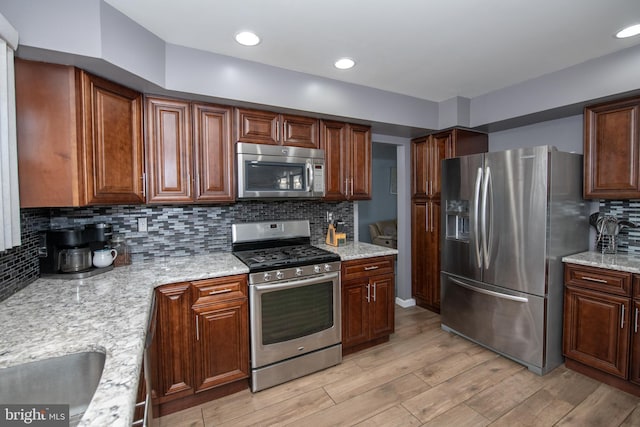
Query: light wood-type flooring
[422,377]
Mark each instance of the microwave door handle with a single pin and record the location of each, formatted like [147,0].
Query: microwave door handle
[309,168]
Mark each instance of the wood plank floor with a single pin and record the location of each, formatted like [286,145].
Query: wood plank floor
[422,377]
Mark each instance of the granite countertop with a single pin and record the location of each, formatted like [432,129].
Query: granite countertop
[358,250]
[620,262]
[109,313]
[106,313]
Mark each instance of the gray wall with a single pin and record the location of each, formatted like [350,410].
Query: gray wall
[383,204]
[93,35]
[565,134]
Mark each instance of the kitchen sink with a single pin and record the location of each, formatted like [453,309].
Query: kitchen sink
[71,379]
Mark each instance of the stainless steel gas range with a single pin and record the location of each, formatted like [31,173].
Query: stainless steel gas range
[294,301]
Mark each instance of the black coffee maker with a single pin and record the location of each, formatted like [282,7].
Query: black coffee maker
[66,252]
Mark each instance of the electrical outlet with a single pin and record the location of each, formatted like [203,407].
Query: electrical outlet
[142,225]
[329,216]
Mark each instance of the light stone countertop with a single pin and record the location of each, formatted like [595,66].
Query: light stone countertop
[109,313]
[620,262]
[358,250]
[106,313]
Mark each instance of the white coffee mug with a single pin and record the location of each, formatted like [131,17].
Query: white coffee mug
[104,257]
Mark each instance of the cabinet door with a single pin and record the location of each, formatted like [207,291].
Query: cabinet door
[214,154]
[300,131]
[381,305]
[258,127]
[359,161]
[596,330]
[634,374]
[355,313]
[333,140]
[433,256]
[221,346]
[49,132]
[172,346]
[437,152]
[112,142]
[612,150]
[419,158]
[419,250]
[169,158]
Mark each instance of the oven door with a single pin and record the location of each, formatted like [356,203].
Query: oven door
[293,318]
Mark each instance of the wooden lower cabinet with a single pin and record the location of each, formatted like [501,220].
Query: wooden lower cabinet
[201,347]
[425,253]
[368,298]
[600,328]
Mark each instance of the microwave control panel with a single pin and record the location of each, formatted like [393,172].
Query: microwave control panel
[318,178]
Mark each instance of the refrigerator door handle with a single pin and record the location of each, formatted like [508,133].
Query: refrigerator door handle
[488,292]
[486,233]
[476,217]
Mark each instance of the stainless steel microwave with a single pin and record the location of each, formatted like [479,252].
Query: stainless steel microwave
[279,172]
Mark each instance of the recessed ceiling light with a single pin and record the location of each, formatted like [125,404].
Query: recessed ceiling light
[344,63]
[631,31]
[247,38]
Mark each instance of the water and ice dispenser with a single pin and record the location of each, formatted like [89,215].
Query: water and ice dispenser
[457,220]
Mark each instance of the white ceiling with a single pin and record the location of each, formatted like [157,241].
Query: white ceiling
[430,49]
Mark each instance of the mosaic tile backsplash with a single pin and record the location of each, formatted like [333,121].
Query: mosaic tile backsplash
[172,230]
[629,238]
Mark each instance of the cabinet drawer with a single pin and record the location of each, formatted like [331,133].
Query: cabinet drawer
[367,267]
[599,279]
[219,289]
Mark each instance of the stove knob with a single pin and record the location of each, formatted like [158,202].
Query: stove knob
[327,267]
[316,269]
[267,277]
[279,275]
[298,271]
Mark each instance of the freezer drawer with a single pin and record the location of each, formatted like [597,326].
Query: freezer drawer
[508,322]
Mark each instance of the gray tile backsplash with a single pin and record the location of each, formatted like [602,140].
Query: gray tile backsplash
[172,230]
[628,239]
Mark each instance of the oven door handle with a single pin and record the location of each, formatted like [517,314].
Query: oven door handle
[295,283]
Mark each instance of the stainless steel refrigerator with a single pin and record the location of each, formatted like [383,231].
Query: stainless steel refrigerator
[508,218]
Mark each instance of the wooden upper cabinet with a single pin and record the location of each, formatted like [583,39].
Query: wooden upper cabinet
[300,131]
[612,150]
[255,126]
[359,162]
[428,152]
[347,160]
[333,140]
[79,138]
[169,150]
[214,154]
[266,127]
[113,142]
[189,152]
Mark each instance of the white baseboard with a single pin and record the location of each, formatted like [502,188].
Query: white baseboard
[404,303]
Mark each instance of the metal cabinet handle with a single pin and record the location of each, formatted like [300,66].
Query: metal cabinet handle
[346,187]
[593,279]
[197,329]
[622,318]
[368,292]
[221,291]
[373,267]
[635,328]
[374,291]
